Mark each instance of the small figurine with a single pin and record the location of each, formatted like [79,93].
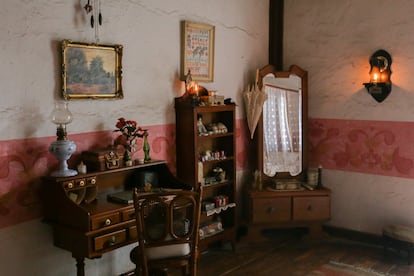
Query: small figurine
[188,81]
[222,128]
[200,126]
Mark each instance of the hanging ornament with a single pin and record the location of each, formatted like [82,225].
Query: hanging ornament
[88,7]
[100,14]
[96,15]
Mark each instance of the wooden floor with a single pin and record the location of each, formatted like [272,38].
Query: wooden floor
[287,253]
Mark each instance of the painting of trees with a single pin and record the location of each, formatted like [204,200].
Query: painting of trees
[87,71]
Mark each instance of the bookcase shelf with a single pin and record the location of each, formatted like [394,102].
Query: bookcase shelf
[219,150]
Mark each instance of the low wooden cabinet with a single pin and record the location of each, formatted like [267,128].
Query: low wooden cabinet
[278,209]
[311,208]
[84,221]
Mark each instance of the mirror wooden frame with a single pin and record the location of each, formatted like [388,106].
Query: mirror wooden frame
[293,70]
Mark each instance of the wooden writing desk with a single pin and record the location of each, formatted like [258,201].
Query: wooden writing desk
[87,224]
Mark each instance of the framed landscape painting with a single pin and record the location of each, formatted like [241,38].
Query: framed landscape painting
[91,71]
[197,51]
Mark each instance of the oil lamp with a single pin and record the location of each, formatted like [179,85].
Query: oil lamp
[62,148]
[379,85]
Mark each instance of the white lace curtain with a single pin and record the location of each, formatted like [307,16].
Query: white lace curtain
[282,131]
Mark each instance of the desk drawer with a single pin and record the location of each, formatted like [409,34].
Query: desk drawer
[103,221]
[109,240]
[311,208]
[128,214]
[133,234]
[268,210]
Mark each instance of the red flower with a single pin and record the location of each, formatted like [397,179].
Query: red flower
[130,130]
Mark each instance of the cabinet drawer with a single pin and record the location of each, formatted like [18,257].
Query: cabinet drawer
[268,210]
[109,240]
[128,214]
[311,208]
[133,234]
[103,221]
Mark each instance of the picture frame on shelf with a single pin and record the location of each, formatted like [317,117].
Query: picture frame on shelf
[197,51]
[91,71]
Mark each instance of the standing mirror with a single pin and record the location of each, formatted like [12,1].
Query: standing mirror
[281,136]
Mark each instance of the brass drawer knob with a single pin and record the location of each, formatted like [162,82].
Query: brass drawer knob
[112,240]
[108,222]
[70,185]
[82,183]
[93,181]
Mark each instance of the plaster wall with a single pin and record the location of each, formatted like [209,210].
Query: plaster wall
[333,40]
[149,30]
[150,33]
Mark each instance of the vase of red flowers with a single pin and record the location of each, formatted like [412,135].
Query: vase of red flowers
[129,132]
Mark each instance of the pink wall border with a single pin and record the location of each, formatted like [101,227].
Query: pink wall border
[371,147]
[25,161]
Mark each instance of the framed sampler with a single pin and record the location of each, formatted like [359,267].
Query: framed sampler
[91,71]
[197,51]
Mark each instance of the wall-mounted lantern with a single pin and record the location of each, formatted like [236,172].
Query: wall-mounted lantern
[379,85]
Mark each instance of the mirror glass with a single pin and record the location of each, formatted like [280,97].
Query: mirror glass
[283,123]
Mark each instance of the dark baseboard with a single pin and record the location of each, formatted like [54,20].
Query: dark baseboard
[354,235]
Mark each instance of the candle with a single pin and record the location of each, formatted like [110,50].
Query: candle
[319,186]
[82,168]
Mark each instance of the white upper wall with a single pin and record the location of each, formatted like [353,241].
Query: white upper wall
[149,30]
[334,40]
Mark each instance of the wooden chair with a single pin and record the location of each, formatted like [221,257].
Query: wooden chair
[167,226]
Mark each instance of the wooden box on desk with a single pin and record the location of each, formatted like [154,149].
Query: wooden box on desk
[103,159]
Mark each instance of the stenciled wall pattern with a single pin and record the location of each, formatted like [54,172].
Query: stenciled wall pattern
[372,147]
[25,161]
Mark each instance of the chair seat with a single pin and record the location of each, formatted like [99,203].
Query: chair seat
[163,252]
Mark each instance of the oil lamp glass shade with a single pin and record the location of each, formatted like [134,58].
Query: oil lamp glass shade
[61,114]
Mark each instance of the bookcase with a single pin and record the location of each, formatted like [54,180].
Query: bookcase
[206,155]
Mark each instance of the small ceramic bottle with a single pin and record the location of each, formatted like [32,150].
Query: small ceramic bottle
[146,147]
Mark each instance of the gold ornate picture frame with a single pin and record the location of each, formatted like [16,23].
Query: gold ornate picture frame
[197,51]
[91,71]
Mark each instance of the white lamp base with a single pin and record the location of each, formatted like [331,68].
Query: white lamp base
[64,173]
[62,150]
